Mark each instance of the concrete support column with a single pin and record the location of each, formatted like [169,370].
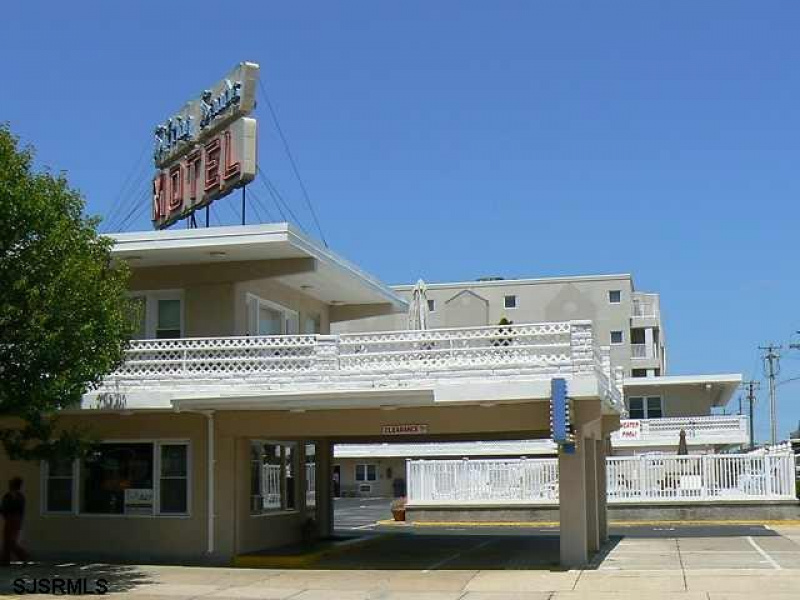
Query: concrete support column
[324,488]
[574,537]
[649,342]
[602,498]
[300,484]
[592,499]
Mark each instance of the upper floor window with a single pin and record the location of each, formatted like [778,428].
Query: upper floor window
[617,337]
[510,301]
[157,314]
[168,318]
[615,296]
[270,318]
[431,305]
[649,407]
[312,324]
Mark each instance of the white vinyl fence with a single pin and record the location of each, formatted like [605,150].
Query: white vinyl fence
[630,479]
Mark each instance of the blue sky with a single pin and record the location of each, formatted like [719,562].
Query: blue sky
[452,140]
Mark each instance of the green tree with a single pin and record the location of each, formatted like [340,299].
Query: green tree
[64,319]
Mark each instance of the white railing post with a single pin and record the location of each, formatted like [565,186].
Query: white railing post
[705,480]
[581,346]
[768,469]
[326,353]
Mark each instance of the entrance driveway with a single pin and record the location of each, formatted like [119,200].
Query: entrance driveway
[359,514]
[720,563]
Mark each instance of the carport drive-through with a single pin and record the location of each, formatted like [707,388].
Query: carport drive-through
[235,445]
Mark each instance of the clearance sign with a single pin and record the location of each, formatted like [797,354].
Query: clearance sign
[410,429]
[207,149]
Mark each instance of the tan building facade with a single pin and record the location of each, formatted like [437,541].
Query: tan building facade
[216,435]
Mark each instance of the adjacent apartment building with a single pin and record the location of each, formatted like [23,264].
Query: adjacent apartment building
[658,405]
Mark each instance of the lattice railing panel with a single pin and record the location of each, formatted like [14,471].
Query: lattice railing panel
[545,344]
[216,357]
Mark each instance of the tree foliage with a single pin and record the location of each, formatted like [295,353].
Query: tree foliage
[63,306]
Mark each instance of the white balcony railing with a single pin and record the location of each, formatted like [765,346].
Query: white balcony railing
[639,351]
[629,479]
[546,349]
[645,305]
[710,430]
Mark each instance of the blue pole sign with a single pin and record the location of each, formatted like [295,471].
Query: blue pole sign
[560,424]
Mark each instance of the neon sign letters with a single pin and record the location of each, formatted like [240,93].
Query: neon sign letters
[207,149]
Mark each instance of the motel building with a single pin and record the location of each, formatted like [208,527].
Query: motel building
[217,433]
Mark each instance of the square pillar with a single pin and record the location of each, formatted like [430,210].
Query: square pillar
[602,492]
[592,499]
[572,494]
[324,488]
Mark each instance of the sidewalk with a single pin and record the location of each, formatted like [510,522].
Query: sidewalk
[688,568]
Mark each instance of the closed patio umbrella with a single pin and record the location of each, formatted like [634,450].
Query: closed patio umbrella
[418,308]
[683,449]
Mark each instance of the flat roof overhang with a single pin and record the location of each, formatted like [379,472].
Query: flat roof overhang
[442,449]
[460,393]
[330,278]
[720,387]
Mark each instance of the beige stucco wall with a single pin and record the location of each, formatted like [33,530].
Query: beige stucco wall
[215,295]
[272,290]
[382,487]
[683,401]
[63,536]
[236,530]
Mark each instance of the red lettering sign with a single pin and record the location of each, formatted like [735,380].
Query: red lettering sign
[212,151]
[176,188]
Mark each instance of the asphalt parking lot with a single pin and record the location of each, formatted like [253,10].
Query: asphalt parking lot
[357,514]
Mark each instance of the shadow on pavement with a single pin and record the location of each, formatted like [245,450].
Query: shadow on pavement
[66,578]
[451,552]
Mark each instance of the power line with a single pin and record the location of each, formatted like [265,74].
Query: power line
[292,162]
[278,198]
[136,173]
[772,365]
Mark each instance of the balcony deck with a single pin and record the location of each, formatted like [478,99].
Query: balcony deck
[715,430]
[482,363]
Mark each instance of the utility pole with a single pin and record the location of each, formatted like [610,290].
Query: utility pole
[751,387]
[772,363]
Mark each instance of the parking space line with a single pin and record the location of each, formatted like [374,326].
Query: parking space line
[444,561]
[764,554]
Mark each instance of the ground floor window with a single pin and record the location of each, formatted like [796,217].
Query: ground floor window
[366,472]
[311,475]
[273,466]
[122,478]
[59,483]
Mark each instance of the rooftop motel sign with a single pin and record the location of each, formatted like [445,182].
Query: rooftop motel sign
[207,149]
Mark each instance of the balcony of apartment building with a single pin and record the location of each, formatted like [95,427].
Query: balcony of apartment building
[702,432]
[646,310]
[495,363]
[647,352]
[659,408]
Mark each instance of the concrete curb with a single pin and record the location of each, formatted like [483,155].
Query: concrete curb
[300,561]
[555,524]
